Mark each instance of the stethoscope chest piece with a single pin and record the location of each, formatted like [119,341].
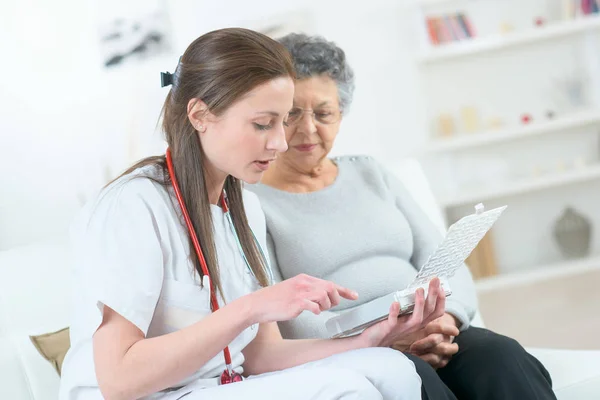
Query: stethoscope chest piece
[230,377]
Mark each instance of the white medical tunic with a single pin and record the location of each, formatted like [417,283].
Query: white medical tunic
[131,253]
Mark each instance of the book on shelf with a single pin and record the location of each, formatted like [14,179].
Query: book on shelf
[431,30]
[466,23]
[444,30]
[457,28]
[448,28]
[577,8]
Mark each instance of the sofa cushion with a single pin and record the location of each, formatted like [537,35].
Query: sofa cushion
[53,346]
[572,371]
[412,176]
[35,287]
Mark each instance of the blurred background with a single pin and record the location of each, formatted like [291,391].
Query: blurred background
[499,100]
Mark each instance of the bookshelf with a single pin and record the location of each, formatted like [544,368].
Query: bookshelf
[523,186]
[478,46]
[511,76]
[431,2]
[560,124]
[540,272]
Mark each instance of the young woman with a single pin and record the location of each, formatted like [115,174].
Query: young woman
[172,285]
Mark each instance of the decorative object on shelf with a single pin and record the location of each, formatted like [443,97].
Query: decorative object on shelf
[573,89]
[506,27]
[550,114]
[579,162]
[446,126]
[526,118]
[494,123]
[539,21]
[482,261]
[572,232]
[470,119]
[536,171]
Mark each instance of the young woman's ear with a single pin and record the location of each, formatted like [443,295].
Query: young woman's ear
[197,113]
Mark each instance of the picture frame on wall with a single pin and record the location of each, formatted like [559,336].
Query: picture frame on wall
[132,31]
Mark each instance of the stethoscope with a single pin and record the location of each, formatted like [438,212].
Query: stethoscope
[229,375]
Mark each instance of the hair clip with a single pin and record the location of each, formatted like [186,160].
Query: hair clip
[167,78]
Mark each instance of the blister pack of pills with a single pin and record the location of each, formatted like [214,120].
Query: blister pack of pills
[461,239]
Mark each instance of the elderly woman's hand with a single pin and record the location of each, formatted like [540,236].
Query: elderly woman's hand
[436,347]
[395,328]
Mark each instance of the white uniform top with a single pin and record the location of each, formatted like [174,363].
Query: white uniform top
[131,250]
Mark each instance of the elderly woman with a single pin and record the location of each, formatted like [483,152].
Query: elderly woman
[350,221]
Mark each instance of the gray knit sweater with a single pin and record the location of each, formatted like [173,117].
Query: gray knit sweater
[364,232]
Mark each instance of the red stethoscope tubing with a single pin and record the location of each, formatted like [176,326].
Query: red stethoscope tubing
[196,243]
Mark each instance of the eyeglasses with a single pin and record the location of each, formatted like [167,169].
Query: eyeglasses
[325,117]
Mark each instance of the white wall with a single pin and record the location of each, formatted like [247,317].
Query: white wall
[377,39]
[68,125]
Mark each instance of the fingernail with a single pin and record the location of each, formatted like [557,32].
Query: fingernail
[355,294]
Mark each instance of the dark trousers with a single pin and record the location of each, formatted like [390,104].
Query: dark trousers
[487,366]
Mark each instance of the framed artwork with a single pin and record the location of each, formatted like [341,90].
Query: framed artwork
[131,31]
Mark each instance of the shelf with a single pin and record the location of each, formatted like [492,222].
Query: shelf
[425,3]
[466,141]
[499,42]
[538,273]
[522,186]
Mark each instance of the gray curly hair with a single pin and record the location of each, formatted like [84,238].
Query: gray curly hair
[313,55]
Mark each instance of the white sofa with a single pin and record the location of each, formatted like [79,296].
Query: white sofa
[35,299]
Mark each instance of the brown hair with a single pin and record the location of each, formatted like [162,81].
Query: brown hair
[218,68]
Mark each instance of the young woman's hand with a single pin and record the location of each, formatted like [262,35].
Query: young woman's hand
[394,328]
[286,300]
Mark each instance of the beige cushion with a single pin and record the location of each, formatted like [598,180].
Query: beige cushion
[53,346]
